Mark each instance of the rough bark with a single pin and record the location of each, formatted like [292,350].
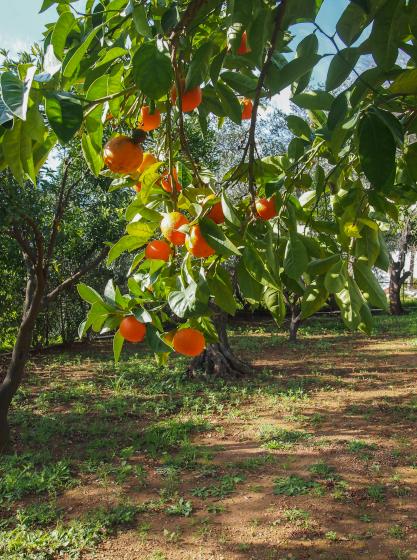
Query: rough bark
[396,276]
[33,301]
[295,322]
[412,266]
[218,360]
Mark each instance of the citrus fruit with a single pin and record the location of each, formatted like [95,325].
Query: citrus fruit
[132,330]
[191,99]
[247,107]
[197,245]
[266,208]
[148,160]
[122,155]
[166,181]
[158,249]
[148,121]
[189,342]
[243,47]
[170,225]
[216,213]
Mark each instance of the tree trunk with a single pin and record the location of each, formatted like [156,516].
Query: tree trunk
[218,359]
[294,326]
[33,303]
[412,266]
[396,278]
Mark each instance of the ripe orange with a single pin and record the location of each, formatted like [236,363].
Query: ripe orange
[166,181]
[216,213]
[247,107]
[149,121]
[169,227]
[148,160]
[266,208]
[138,187]
[189,342]
[132,330]
[197,245]
[122,155]
[243,47]
[190,99]
[158,249]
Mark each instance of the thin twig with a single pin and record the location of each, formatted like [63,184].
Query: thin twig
[251,140]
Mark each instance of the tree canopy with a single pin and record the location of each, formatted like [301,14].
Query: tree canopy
[308,219]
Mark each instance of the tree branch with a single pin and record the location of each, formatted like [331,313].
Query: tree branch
[72,279]
[23,243]
[251,140]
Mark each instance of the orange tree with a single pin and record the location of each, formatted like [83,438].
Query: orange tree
[143,66]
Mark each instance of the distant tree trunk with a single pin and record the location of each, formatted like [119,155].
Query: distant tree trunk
[396,275]
[218,359]
[35,288]
[412,267]
[295,321]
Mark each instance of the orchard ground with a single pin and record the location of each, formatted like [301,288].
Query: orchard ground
[313,457]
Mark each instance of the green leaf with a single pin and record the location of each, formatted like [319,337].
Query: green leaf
[15,93]
[198,70]
[92,156]
[216,66]
[229,212]
[296,258]
[118,342]
[65,114]
[62,29]
[314,100]
[411,160]
[369,285]
[299,127]
[229,102]
[141,229]
[89,294]
[244,85]
[351,24]
[221,288]
[191,301]
[126,243]
[140,20]
[367,248]
[406,83]
[73,63]
[278,78]
[376,150]
[154,340]
[385,34]
[250,289]
[318,267]
[298,11]
[341,66]
[12,150]
[274,302]
[336,276]
[338,111]
[152,71]
[382,260]
[314,298]
[215,237]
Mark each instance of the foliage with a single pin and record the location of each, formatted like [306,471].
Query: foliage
[355,151]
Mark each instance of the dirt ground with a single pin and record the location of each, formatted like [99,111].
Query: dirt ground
[321,455]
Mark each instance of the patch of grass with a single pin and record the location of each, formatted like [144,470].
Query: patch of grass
[293,485]
[26,543]
[299,517]
[253,463]
[376,492]
[226,486]
[359,446]
[181,507]
[324,471]
[396,532]
[280,438]
[23,475]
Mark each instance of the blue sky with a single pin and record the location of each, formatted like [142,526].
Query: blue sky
[21,25]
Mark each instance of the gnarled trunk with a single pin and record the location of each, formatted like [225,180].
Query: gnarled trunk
[396,277]
[33,302]
[218,359]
